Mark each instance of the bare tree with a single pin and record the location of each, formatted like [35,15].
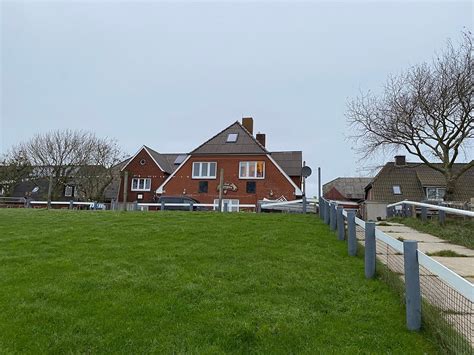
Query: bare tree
[92,179]
[14,167]
[67,156]
[426,110]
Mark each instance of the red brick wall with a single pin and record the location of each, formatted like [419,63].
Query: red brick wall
[334,194]
[296,180]
[274,181]
[149,170]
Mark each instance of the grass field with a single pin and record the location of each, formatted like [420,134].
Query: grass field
[456,231]
[96,282]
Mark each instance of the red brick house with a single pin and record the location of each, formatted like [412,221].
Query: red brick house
[349,192]
[143,173]
[251,172]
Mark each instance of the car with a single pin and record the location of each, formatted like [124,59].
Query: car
[180,199]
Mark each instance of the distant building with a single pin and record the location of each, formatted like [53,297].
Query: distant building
[400,180]
[348,191]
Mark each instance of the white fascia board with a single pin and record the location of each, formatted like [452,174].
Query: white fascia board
[159,190]
[146,150]
[298,191]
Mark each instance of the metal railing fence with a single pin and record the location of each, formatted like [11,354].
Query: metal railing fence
[296,206]
[435,297]
[408,209]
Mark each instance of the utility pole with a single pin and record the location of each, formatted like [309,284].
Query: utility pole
[221,188]
[304,181]
[319,182]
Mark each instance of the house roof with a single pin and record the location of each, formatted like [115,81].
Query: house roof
[161,160]
[349,187]
[412,178]
[244,144]
[171,158]
[291,162]
[164,161]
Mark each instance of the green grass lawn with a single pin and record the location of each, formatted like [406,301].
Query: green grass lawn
[96,282]
[456,231]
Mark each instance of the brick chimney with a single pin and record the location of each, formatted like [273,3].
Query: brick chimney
[261,138]
[400,160]
[247,122]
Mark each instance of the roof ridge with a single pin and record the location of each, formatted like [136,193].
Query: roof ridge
[214,136]
[265,151]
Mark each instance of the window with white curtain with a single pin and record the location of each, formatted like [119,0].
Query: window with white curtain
[252,170]
[204,170]
[141,184]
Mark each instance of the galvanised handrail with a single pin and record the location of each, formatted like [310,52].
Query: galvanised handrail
[436,207]
[458,283]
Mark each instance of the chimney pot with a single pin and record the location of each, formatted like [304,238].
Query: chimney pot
[247,122]
[400,160]
[261,138]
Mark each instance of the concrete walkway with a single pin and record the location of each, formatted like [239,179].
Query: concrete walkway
[462,265]
[456,312]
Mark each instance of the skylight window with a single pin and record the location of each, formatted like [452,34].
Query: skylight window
[232,137]
[397,190]
[179,159]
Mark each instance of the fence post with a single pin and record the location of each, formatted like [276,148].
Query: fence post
[28,202]
[326,212]
[135,205]
[340,223]
[191,206]
[412,284]
[424,213]
[332,216]
[226,206]
[370,250]
[442,217]
[329,206]
[389,212]
[162,206]
[71,204]
[259,206]
[320,208]
[95,205]
[351,234]
[304,204]
[405,210]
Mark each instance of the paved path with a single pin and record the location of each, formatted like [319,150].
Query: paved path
[463,266]
[455,309]
[458,313]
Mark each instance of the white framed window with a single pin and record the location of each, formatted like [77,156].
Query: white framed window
[141,184]
[435,193]
[397,190]
[232,205]
[204,170]
[252,170]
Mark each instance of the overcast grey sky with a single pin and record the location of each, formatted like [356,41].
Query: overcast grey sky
[171,75]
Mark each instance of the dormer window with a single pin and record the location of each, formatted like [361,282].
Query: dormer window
[435,193]
[232,137]
[397,190]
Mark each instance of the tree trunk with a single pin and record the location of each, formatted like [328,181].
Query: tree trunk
[450,187]
[50,190]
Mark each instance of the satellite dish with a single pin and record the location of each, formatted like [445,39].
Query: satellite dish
[35,189]
[306,171]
